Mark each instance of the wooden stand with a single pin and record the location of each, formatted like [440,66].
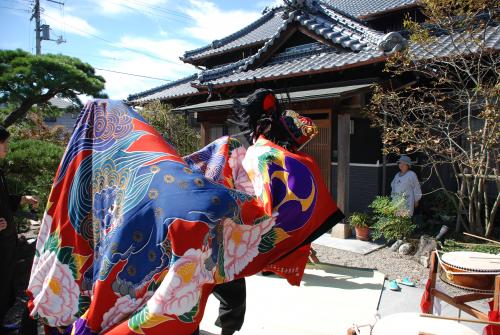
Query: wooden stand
[460,302]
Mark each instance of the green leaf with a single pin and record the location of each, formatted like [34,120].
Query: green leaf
[26,79]
[189,316]
[261,219]
[52,243]
[138,319]
[143,319]
[153,286]
[65,256]
[83,304]
[268,241]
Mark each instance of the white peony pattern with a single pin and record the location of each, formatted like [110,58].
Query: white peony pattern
[241,244]
[251,166]
[241,180]
[43,235]
[180,290]
[124,307]
[55,290]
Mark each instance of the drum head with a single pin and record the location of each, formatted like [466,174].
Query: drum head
[473,261]
[413,323]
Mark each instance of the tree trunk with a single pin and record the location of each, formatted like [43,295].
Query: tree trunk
[491,223]
[18,113]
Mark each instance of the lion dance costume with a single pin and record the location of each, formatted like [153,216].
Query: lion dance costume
[135,237]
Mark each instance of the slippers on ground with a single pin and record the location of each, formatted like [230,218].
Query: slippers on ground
[406,281]
[394,286]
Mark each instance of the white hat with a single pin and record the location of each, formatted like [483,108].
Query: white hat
[405,159]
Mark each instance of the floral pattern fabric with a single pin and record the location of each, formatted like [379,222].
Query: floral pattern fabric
[135,237]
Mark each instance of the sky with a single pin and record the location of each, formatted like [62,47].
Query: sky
[140,37]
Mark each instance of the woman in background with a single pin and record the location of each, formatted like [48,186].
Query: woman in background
[405,184]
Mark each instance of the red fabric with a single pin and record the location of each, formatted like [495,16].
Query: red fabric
[269,103]
[495,317]
[292,266]
[425,303]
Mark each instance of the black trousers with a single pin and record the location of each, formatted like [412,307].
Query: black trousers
[8,257]
[232,297]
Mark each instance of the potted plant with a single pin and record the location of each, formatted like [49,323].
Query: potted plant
[361,223]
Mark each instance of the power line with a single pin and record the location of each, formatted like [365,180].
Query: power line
[132,74]
[18,9]
[146,10]
[85,54]
[120,72]
[150,6]
[163,9]
[113,43]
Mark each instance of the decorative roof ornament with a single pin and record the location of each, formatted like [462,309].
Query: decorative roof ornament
[300,4]
[392,42]
[216,44]
[310,6]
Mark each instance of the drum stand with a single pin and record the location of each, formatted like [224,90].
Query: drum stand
[460,302]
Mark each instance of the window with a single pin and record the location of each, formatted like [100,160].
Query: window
[219,130]
[216,131]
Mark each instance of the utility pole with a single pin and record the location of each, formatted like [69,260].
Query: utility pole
[45,29]
[36,16]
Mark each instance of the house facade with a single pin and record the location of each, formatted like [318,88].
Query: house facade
[322,58]
[67,116]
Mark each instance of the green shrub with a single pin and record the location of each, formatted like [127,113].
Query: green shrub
[30,168]
[452,245]
[391,220]
[360,220]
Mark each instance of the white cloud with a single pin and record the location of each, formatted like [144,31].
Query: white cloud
[213,23]
[119,86]
[269,3]
[113,7]
[207,22]
[68,23]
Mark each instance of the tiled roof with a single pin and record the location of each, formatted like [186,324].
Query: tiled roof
[445,45]
[317,58]
[62,103]
[343,12]
[178,88]
[256,33]
[336,28]
[298,63]
[364,8]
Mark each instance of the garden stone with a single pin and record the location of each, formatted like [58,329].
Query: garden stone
[424,260]
[396,245]
[405,249]
[425,246]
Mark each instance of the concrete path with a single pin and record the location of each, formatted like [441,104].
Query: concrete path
[408,300]
[350,244]
[329,301]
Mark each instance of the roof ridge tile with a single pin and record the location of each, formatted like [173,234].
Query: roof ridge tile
[218,43]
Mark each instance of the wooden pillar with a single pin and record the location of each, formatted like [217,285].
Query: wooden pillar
[342,230]
[204,133]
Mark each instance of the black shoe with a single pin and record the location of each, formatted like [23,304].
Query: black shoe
[227,331]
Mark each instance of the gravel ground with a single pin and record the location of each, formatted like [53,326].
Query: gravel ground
[392,264]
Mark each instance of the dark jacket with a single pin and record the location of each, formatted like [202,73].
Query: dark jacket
[8,205]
